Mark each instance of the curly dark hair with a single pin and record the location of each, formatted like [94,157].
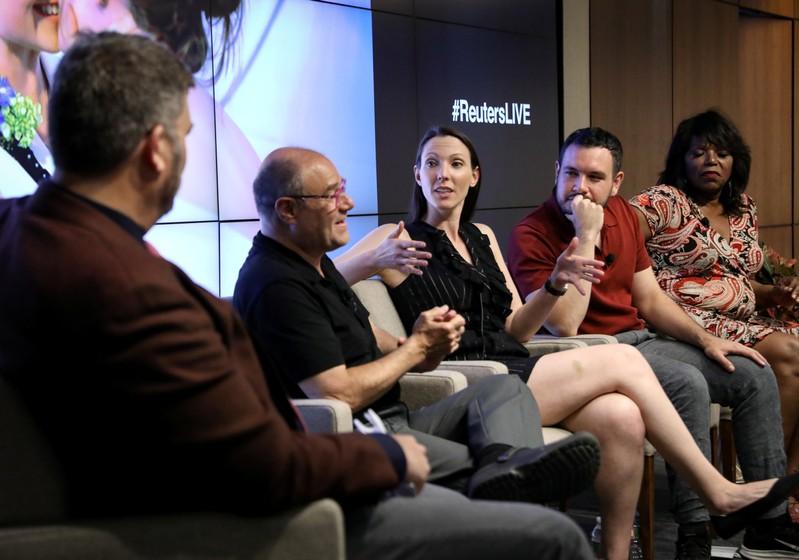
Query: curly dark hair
[180,24]
[418,207]
[720,131]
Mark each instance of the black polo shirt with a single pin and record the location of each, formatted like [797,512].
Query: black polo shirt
[307,323]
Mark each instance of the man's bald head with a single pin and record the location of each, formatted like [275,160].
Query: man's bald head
[282,174]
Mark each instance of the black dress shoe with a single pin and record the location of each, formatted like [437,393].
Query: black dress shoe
[544,474]
[737,521]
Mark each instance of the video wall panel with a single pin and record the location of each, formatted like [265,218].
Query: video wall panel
[358,80]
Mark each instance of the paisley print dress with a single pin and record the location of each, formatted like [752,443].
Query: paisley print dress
[707,274]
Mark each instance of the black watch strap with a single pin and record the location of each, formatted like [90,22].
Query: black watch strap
[553,290]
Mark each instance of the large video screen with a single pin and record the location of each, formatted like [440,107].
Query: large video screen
[359,81]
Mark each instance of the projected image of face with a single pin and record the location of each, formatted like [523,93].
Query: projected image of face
[30,25]
[93,15]
[216,148]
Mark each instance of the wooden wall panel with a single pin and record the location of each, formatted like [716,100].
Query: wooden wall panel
[705,51]
[784,8]
[796,124]
[766,64]
[795,242]
[631,82]
[778,237]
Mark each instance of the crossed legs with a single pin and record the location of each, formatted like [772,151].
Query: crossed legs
[577,387]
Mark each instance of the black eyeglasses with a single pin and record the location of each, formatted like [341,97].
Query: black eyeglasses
[333,199]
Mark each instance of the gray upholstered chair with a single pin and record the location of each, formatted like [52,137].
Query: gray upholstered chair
[417,390]
[34,524]
[374,296]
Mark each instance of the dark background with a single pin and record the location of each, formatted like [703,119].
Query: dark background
[427,53]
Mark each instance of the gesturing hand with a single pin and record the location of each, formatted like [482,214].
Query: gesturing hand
[571,268]
[404,255]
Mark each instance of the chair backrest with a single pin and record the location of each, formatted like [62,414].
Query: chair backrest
[32,488]
[374,295]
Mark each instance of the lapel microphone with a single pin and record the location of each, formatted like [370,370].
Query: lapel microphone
[609,259]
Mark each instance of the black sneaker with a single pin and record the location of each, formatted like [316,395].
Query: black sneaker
[772,538]
[693,541]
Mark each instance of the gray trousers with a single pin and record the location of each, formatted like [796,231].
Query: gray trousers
[692,381]
[441,523]
[498,409]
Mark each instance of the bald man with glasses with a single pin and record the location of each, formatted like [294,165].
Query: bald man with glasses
[484,441]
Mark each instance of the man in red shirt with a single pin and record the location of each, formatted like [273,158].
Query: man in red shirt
[694,369]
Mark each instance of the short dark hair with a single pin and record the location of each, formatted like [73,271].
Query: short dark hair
[595,137]
[720,131]
[108,92]
[278,176]
[418,207]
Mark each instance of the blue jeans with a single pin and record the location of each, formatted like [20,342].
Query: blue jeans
[692,381]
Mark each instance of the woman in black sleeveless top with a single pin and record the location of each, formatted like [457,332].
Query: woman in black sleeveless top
[609,390]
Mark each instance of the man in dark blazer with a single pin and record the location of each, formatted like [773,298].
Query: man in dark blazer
[148,387]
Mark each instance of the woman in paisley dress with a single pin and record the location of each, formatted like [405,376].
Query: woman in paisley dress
[702,234]
[608,390]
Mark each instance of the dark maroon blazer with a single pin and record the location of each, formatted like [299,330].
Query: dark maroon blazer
[148,386]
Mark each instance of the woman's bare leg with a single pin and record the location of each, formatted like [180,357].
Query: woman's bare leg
[782,352]
[616,422]
[564,382]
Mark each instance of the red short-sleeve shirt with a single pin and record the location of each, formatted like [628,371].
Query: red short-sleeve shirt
[538,240]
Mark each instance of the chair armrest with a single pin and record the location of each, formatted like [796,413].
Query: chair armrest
[541,345]
[553,434]
[325,415]
[474,370]
[416,390]
[421,389]
[592,339]
[280,536]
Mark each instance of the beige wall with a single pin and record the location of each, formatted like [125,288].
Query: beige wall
[652,63]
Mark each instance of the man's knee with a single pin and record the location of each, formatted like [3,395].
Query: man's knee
[682,381]
[753,378]
[501,386]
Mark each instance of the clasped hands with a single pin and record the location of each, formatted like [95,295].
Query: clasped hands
[439,331]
